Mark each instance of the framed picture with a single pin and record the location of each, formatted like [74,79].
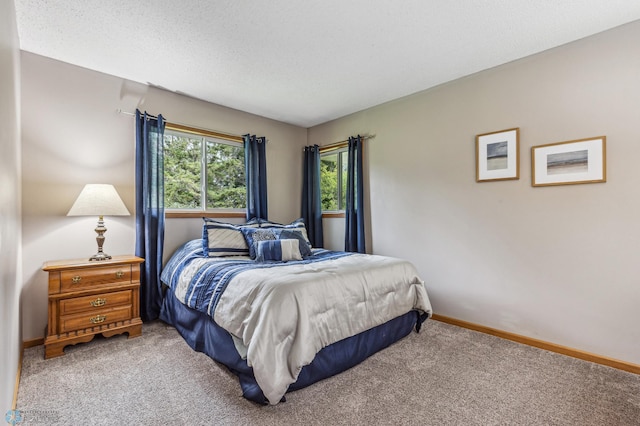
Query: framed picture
[498,155]
[571,162]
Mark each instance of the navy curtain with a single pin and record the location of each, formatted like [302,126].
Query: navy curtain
[150,210]
[354,211]
[255,161]
[311,202]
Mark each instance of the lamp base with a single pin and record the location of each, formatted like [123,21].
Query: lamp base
[100,256]
[100,230]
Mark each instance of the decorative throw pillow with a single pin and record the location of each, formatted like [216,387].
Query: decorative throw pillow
[296,225]
[295,234]
[253,235]
[225,239]
[278,250]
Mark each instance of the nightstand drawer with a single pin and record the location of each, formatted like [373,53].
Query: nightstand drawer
[99,317]
[94,302]
[82,279]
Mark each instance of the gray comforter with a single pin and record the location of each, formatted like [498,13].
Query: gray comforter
[282,316]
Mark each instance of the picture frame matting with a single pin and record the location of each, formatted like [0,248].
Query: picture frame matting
[570,162]
[498,155]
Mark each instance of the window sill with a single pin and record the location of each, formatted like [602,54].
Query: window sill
[333,215]
[198,214]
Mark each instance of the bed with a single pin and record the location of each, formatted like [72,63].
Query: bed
[282,315]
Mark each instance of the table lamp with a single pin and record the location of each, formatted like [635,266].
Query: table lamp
[99,200]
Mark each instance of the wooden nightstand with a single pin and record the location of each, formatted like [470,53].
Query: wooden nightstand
[92,297]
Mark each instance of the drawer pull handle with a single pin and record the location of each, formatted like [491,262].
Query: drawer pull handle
[119,274]
[98,302]
[98,319]
[76,279]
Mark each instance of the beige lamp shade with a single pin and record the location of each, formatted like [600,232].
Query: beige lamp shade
[98,200]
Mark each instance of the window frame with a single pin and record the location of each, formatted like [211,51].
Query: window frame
[218,138]
[335,149]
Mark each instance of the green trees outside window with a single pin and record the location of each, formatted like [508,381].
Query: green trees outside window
[202,173]
[333,180]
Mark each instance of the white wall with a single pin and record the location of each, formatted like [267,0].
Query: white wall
[72,135]
[10,279]
[560,264]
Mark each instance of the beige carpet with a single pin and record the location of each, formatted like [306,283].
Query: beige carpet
[445,375]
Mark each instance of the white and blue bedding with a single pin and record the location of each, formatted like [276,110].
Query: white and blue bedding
[281,314]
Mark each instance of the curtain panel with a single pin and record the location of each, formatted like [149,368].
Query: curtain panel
[311,200]
[354,211]
[149,180]
[256,176]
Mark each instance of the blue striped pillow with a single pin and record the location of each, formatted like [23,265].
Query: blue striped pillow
[277,250]
[254,235]
[225,239]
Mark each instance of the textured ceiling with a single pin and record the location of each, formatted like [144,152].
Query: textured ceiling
[305,62]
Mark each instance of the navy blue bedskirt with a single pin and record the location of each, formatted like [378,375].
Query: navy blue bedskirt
[204,335]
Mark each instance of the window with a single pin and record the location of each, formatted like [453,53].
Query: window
[333,179]
[203,172]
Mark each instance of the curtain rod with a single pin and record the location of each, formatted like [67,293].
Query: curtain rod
[340,144]
[191,129]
